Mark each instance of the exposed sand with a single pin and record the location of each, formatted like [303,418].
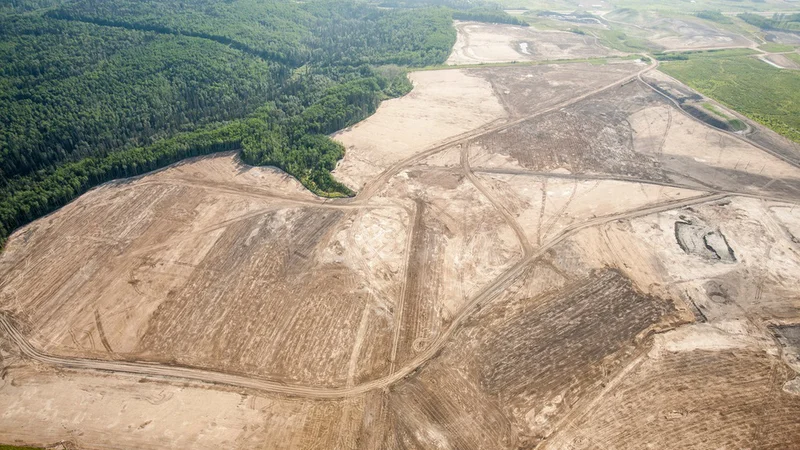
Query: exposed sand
[514,290]
[492,43]
[443,104]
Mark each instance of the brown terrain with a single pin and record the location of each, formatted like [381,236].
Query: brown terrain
[539,256]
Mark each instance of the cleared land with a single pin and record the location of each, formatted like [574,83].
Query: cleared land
[443,104]
[490,43]
[783,61]
[773,103]
[542,256]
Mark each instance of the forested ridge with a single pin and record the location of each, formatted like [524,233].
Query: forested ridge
[95,90]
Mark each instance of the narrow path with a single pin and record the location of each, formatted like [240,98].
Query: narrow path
[498,125]
[512,221]
[413,240]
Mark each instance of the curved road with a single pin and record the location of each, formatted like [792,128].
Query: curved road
[260,384]
[486,294]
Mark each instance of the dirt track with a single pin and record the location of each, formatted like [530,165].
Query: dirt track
[361,328]
[157,370]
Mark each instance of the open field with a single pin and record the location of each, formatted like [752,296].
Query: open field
[164,249]
[487,43]
[443,104]
[554,256]
[692,34]
[773,104]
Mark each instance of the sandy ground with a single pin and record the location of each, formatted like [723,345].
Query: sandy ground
[526,266]
[782,61]
[546,206]
[442,104]
[198,264]
[678,136]
[527,90]
[489,43]
[96,411]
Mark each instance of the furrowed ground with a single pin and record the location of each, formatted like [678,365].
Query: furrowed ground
[544,255]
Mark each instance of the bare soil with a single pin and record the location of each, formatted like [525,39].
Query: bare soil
[783,62]
[491,43]
[542,256]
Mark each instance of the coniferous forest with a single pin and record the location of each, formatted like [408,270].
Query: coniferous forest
[93,90]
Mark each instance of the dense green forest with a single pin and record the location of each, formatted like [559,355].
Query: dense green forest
[95,90]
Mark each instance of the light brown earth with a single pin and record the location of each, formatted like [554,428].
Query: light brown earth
[667,32]
[491,43]
[550,256]
[685,34]
[443,104]
[782,61]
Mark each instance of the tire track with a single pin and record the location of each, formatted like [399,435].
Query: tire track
[512,221]
[279,387]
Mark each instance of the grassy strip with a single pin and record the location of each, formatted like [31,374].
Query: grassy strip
[771,47]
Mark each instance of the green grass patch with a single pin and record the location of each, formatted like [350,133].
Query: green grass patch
[774,48]
[715,110]
[736,124]
[761,92]
[623,42]
[14,447]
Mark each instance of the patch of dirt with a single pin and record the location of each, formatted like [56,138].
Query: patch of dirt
[783,61]
[528,89]
[489,43]
[500,367]
[684,34]
[113,411]
[212,274]
[443,104]
[691,399]
[699,239]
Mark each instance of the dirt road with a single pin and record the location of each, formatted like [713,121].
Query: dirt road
[221,378]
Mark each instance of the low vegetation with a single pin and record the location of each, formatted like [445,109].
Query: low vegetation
[736,124]
[621,41]
[777,48]
[764,93]
[787,22]
[714,16]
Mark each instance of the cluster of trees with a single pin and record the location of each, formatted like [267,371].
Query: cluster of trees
[24,199]
[786,22]
[670,56]
[488,15]
[714,16]
[83,102]
[274,30]
[360,35]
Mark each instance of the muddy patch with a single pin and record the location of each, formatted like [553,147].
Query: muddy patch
[705,241]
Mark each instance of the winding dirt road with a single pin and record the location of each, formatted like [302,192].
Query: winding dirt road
[488,293]
[276,387]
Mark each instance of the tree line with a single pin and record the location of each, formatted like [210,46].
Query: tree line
[95,90]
